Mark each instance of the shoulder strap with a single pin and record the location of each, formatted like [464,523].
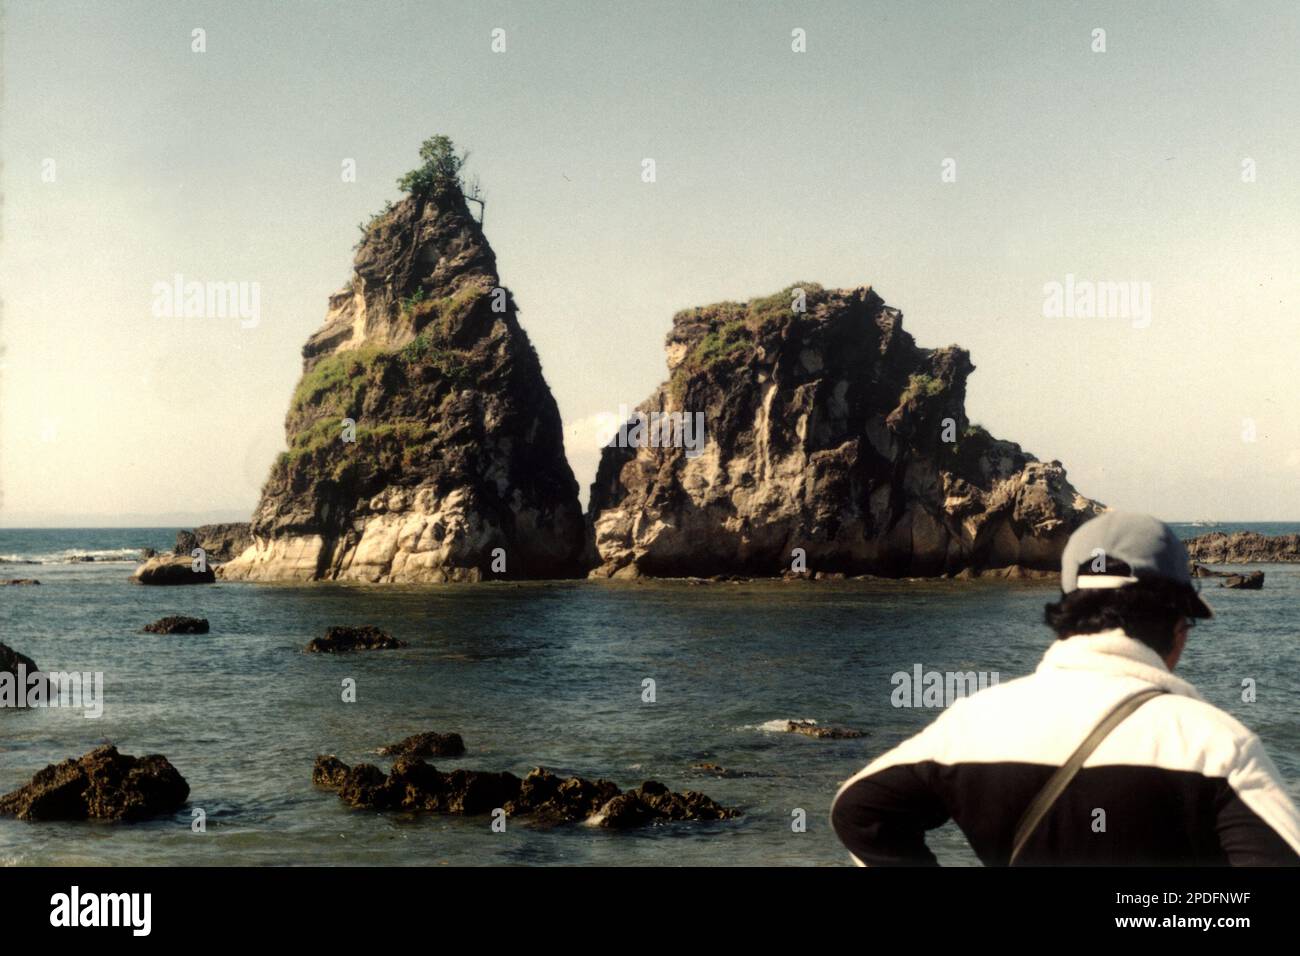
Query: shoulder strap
[1055,786]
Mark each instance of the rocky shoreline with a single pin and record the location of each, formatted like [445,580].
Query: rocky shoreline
[1244,547]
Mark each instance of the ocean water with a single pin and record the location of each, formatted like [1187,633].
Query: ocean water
[546,674]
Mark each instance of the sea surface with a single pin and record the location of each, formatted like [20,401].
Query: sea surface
[549,674]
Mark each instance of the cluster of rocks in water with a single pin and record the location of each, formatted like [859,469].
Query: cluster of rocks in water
[810,728]
[101,785]
[415,786]
[345,639]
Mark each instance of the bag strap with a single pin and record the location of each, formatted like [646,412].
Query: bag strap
[1059,780]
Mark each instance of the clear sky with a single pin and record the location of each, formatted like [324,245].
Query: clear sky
[772,166]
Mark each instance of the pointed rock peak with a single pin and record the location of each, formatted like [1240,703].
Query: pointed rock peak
[423,442]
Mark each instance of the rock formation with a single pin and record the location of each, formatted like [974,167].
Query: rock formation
[343,639]
[413,785]
[102,785]
[426,744]
[827,430]
[19,676]
[178,624]
[422,436]
[1244,582]
[172,569]
[221,542]
[1244,547]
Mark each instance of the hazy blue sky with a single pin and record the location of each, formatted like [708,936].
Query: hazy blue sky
[773,166]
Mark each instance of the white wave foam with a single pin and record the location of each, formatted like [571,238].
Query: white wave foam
[779,725]
[75,556]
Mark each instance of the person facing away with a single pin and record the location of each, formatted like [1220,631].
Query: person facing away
[1175,782]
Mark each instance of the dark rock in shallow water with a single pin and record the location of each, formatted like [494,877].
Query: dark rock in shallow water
[1244,582]
[178,625]
[427,744]
[413,785]
[811,729]
[552,799]
[21,683]
[10,660]
[22,581]
[170,569]
[102,785]
[714,770]
[653,801]
[342,639]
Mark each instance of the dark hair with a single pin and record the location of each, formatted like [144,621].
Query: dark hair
[1148,610]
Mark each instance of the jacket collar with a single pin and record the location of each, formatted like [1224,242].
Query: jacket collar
[1114,652]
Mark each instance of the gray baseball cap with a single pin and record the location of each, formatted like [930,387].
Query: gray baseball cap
[1116,549]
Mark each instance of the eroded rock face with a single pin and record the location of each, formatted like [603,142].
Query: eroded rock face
[413,785]
[102,785]
[827,430]
[1244,547]
[458,447]
[221,542]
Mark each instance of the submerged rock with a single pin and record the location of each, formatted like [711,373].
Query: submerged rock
[427,744]
[1244,582]
[17,680]
[28,582]
[101,785]
[178,624]
[811,728]
[344,639]
[220,542]
[1244,547]
[413,785]
[170,569]
[829,431]
[424,443]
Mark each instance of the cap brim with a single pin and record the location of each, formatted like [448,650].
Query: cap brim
[1197,606]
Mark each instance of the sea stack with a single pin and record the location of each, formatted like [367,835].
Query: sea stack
[424,444]
[833,443]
